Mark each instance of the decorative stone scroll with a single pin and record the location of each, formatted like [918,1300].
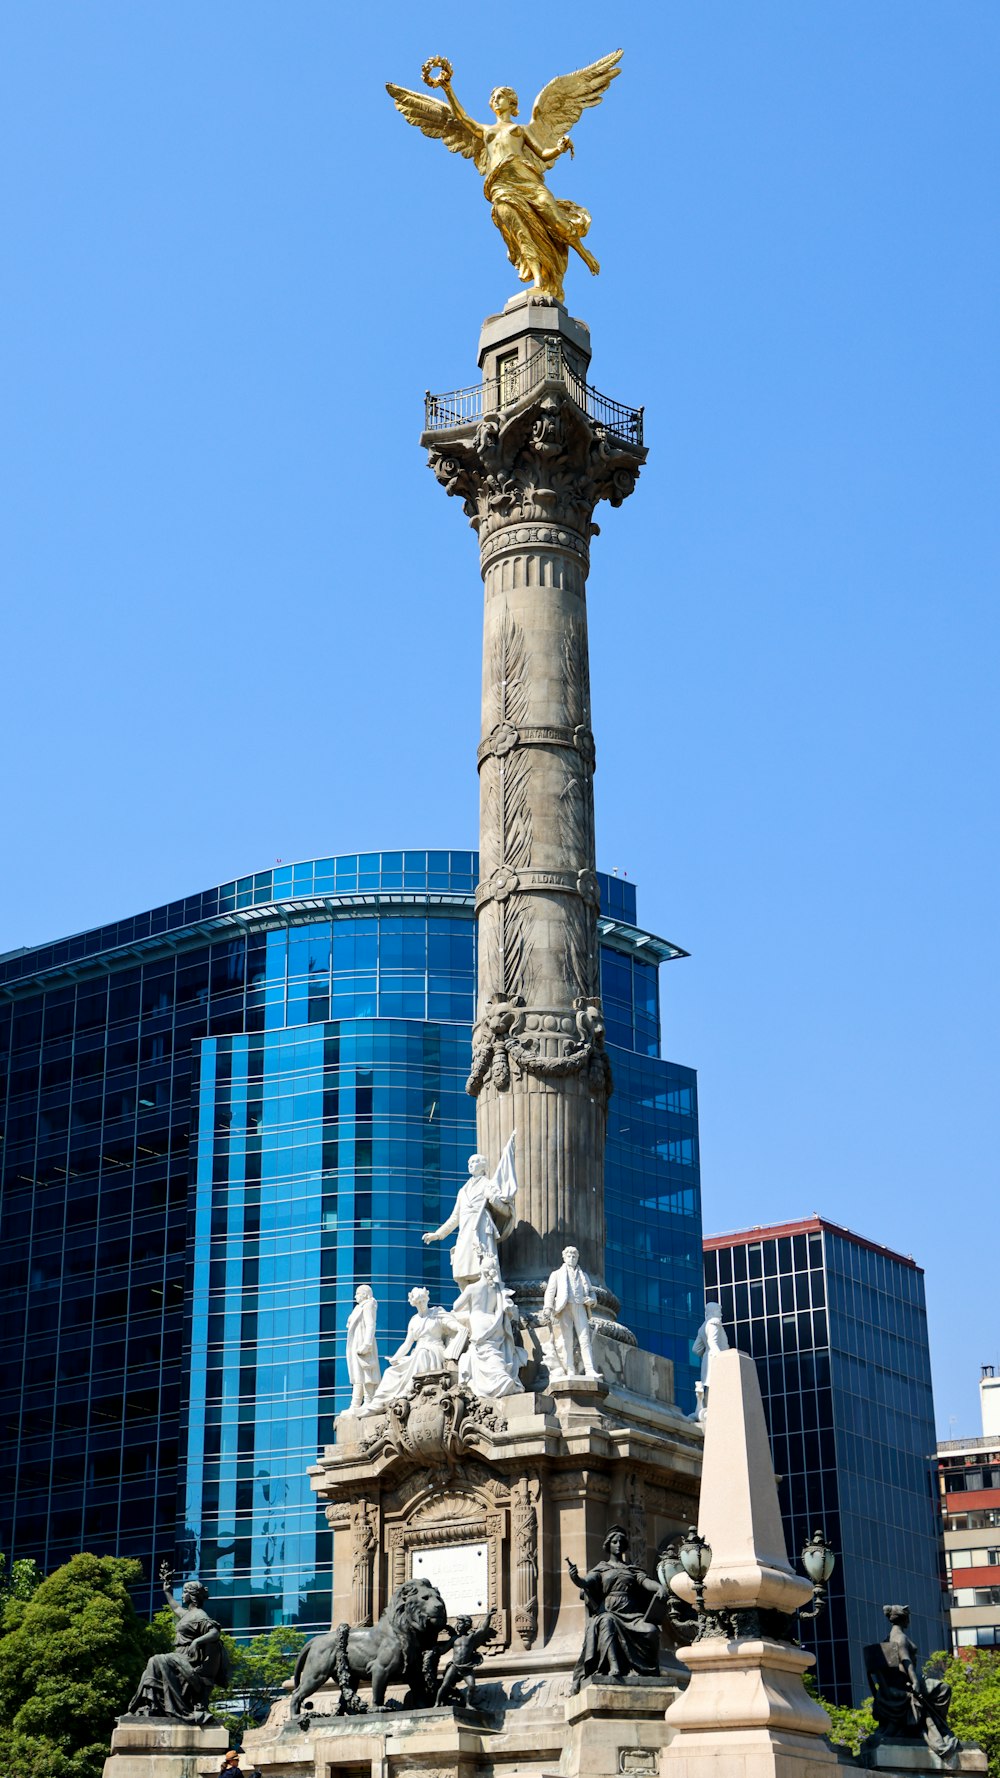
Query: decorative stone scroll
[524,1514]
[364,1545]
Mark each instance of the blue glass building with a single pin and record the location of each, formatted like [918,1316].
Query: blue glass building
[837,1326]
[218,1118]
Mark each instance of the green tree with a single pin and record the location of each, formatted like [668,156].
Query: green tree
[849,1724]
[258,1670]
[18,1580]
[974,1714]
[68,1666]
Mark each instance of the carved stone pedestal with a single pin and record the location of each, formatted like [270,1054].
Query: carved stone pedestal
[149,1747]
[616,1729]
[531,1730]
[490,1499]
[746,1714]
[912,1756]
[385,1744]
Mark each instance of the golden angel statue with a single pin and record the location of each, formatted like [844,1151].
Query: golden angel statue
[538,229]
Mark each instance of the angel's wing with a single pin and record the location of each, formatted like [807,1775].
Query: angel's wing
[459,134]
[559,105]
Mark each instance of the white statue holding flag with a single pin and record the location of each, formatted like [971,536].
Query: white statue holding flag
[484,1215]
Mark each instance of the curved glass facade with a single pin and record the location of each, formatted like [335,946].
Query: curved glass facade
[245,1104]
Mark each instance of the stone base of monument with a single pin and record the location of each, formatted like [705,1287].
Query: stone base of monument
[616,1728]
[379,1744]
[151,1747]
[490,1499]
[746,1714]
[533,1730]
[913,1756]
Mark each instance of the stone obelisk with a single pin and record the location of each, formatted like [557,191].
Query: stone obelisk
[531,452]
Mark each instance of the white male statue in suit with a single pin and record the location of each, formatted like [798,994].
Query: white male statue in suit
[569,1298]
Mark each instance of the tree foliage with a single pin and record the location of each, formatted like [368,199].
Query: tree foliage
[258,1670]
[18,1580]
[974,1714]
[70,1659]
[849,1724]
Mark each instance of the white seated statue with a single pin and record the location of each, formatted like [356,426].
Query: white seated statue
[429,1334]
[491,1361]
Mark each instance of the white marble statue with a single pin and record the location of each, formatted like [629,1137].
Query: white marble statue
[483,1215]
[710,1338]
[491,1361]
[568,1300]
[429,1334]
[363,1367]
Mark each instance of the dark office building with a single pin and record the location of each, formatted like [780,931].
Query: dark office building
[218,1118]
[838,1328]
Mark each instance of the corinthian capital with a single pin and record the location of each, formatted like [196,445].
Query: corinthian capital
[548,462]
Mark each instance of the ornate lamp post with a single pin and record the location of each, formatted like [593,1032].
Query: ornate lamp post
[696,1560]
[819,1561]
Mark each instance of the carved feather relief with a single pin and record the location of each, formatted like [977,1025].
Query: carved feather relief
[506,826]
[576,676]
[509,671]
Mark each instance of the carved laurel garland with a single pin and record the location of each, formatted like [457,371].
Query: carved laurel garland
[501,1049]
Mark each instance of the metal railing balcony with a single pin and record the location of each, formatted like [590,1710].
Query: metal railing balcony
[464,407]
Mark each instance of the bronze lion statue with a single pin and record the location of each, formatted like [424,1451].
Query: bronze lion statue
[398,1650]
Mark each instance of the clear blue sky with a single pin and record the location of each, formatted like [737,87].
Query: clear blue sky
[241,621]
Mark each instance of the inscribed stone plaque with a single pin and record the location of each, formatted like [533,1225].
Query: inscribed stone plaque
[460,1571]
[636,1759]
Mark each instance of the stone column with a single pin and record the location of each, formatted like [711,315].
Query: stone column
[745,1712]
[530,468]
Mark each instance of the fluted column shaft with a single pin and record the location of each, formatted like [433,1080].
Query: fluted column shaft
[530,476]
[537,895]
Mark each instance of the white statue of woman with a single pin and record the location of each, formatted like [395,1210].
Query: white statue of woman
[492,1360]
[429,1332]
[363,1366]
[710,1338]
[483,1215]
